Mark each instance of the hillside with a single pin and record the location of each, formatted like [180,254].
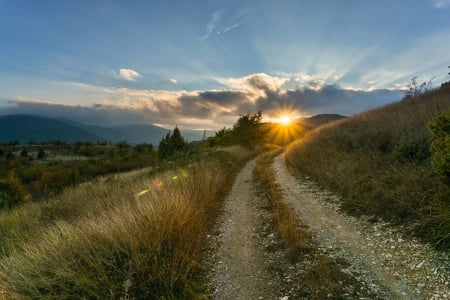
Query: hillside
[319,120]
[31,128]
[284,135]
[25,128]
[380,162]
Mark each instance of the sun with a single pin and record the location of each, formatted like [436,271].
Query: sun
[284,129]
[285,120]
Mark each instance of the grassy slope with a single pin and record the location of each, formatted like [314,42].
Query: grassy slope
[379,162]
[135,237]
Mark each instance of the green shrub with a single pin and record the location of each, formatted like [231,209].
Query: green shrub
[41,154]
[24,152]
[144,147]
[56,178]
[5,200]
[440,145]
[408,149]
[12,191]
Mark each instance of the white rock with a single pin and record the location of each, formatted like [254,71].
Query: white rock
[419,265]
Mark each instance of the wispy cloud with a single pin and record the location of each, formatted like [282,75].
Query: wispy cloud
[220,23]
[225,29]
[442,3]
[212,24]
[129,74]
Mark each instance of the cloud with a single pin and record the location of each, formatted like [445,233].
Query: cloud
[255,85]
[219,23]
[129,74]
[442,3]
[329,99]
[211,109]
[212,23]
[226,29]
[173,80]
[312,82]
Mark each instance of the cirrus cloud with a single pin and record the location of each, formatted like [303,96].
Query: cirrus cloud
[212,23]
[442,3]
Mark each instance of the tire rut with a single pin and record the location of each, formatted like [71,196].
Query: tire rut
[385,265]
[239,270]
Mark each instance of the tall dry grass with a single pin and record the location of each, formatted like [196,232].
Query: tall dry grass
[380,163]
[88,199]
[296,239]
[139,238]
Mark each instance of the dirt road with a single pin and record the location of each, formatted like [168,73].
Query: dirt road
[248,249]
[239,271]
[399,267]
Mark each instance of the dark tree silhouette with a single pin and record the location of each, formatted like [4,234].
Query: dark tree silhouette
[172,144]
[247,130]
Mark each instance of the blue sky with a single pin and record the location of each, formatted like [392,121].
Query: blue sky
[200,64]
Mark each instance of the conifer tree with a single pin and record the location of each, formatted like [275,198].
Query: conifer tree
[177,141]
[172,144]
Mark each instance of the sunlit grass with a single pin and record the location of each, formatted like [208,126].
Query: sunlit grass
[112,240]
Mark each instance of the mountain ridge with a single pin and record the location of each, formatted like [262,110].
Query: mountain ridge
[26,128]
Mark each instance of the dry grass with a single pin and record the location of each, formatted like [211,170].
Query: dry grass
[125,238]
[379,162]
[88,199]
[296,239]
[238,151]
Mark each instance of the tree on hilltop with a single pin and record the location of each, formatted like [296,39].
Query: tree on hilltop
[172,144]
[177,140]
[247,130]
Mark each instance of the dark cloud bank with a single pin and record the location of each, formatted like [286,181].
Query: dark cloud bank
[215,109]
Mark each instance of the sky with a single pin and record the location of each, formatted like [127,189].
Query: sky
[200,64]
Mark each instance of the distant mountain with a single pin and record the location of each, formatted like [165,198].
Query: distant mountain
[133,134]
[140,133]
[25,128]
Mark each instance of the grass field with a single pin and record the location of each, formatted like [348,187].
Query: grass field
[126,237]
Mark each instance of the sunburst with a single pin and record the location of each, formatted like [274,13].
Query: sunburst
[285,120]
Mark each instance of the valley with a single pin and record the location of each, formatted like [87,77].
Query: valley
[253,212]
